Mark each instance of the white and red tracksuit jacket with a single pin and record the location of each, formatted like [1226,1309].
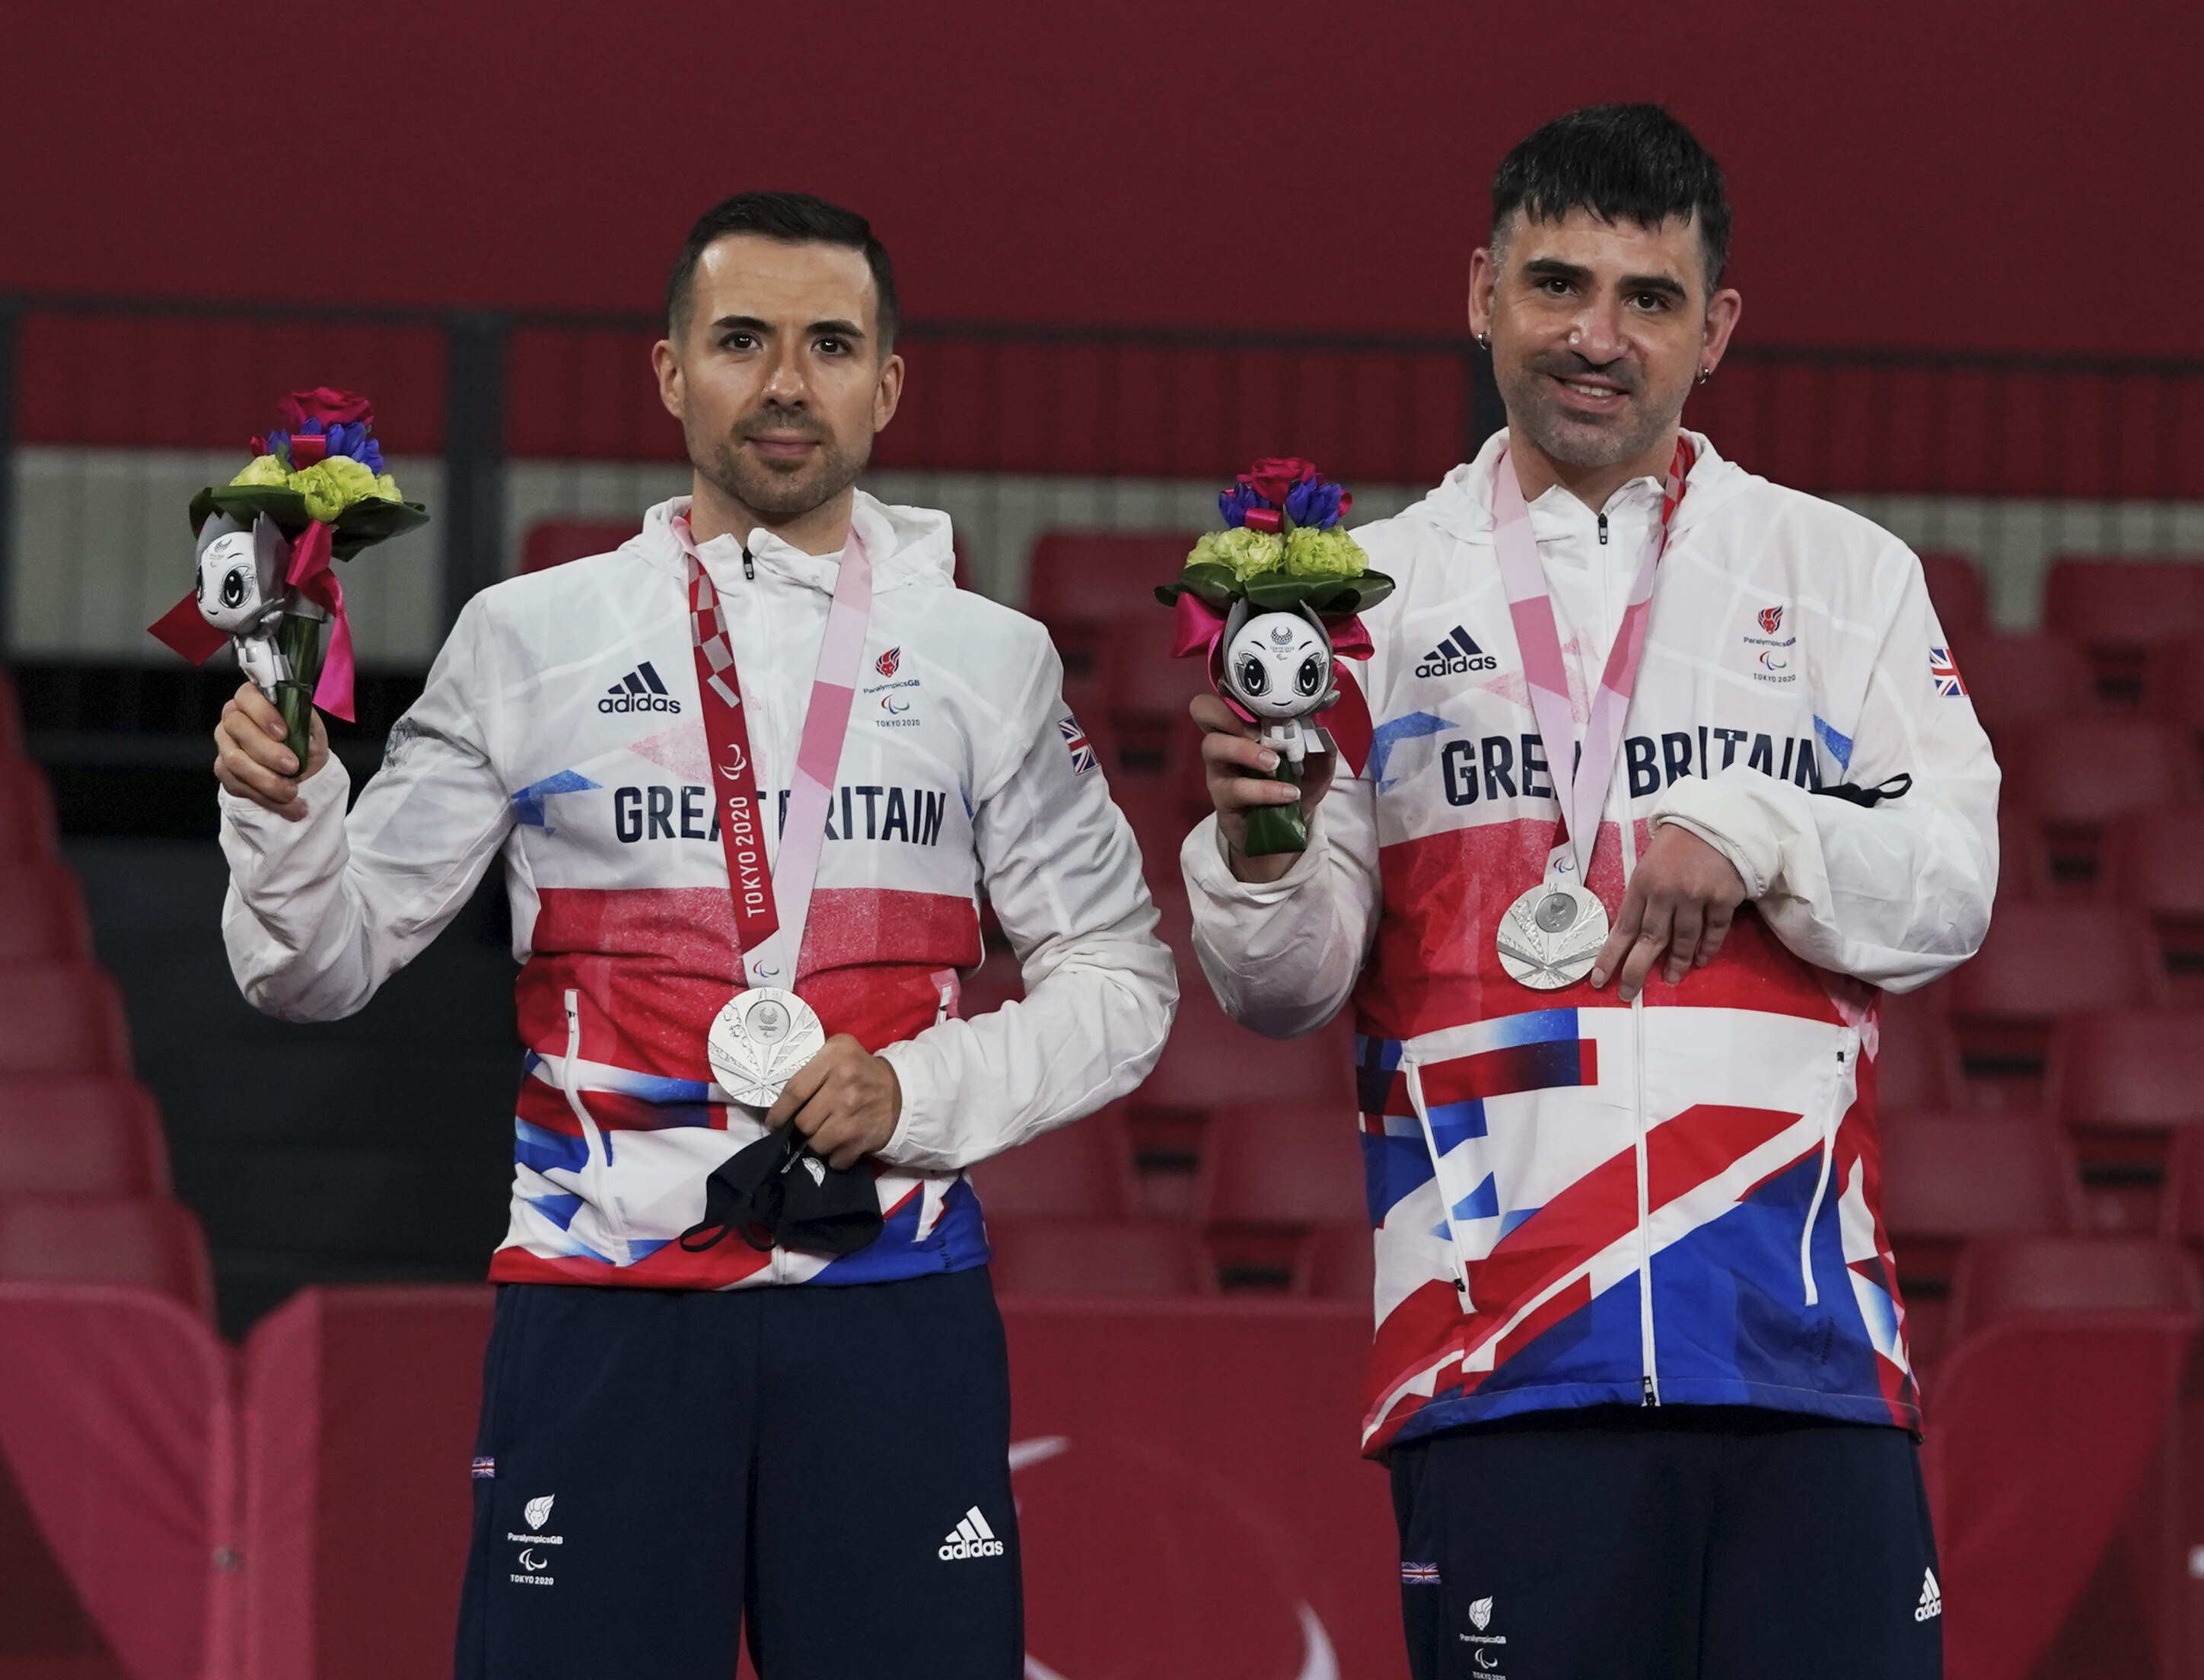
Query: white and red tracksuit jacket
[1675,1200]
[560,727]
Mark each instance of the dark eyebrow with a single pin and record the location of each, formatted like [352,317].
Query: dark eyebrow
[1662,283]
[840,329]
[1552,268]
[748,323]
[751,324]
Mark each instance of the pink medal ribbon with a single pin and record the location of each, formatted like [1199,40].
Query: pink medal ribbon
[772,905]
[1580,783]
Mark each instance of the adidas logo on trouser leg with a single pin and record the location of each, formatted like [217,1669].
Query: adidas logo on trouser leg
[971,1538]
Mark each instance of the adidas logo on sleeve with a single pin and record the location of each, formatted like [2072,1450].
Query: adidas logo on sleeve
[640,690]
[1456,656]
[971,1538]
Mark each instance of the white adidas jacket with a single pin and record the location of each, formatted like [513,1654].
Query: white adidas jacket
[1578,1202]
[560,727]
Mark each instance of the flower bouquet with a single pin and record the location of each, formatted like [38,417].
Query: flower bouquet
[314,491]
[1269,603]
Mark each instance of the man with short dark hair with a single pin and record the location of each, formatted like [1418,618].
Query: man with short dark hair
[1670,776]
[746,1369]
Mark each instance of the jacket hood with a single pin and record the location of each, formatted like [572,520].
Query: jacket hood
[1461,505]
[911,546]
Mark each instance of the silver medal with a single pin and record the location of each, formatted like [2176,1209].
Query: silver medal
[759,1041]
[1550,936]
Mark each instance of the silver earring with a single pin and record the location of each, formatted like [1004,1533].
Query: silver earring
[1484,341]
[1705,374]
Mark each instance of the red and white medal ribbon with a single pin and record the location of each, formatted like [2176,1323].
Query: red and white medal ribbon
[1543,939]
[772,902]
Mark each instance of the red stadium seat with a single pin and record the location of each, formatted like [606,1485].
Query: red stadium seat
[2173,683]
[1948,1178]
[2121,1083]
[1955,590]
[61,1018]
[1145,682]
[2184,1191]
[995,982]
[2018,680]
[1343,1263]
[2081,776]
[2040,961]
[1080,1171]
[2042,1422]
[1097,578]
[146,1241]
[1159,822]
[80,1137]
[2024,863]
[1916,1060]
[26,814]
[1289,1164]
[41,914]
[2153,865]
[1213,1062]
[2115,609]
[552,542]
[1096,1258]
[1272,1173]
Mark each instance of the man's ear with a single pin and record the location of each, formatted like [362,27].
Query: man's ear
[1484,275]
[887,393]
[665,363]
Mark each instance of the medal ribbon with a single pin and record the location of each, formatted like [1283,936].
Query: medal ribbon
[1579,785]
[772,904]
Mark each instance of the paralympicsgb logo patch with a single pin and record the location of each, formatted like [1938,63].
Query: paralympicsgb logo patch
[890,662]
[1771,619]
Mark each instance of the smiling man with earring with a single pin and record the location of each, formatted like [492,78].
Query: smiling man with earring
[1671,777]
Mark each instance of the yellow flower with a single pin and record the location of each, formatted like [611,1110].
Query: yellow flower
[387,487]
[264,470]
[332,485]
[1246,554]
[1332,553]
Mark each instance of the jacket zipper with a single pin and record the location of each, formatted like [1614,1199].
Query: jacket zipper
[1603,530]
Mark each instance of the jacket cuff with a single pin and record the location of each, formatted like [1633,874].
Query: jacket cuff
[1727,811]
[1204,860]
[922,1134]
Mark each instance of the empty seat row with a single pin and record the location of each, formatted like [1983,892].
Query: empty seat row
[149,1242]
[1153,1257]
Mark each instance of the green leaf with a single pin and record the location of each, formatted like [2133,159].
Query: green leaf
[375,520]
[1273,590]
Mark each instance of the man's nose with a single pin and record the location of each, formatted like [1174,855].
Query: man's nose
[1597,334]
[784,382]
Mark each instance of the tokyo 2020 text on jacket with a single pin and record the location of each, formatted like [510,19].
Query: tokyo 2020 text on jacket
[1676,1200]
[559,726]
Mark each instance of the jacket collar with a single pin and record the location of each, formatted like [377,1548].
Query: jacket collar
[908,546]
[1461,505]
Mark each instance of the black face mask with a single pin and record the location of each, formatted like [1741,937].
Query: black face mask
[777,1193]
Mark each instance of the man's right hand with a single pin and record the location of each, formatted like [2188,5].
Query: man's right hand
[252,761]
[1228,751]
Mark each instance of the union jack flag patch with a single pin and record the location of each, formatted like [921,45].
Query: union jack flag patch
[1944,672]
[485,1470]
[1076,743]
[1418,1575]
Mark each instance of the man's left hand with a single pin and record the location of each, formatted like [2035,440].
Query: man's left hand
[1682,897]
[845,1100]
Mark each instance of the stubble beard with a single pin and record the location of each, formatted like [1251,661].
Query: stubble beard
[1534,408]
[778,491]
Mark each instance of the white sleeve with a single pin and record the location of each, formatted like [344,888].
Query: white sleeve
[321,911]
[1283,956]
[1059,864]
[1896,895]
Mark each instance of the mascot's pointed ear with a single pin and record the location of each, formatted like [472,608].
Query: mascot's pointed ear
[268,555]
[217,524]
[1236,616]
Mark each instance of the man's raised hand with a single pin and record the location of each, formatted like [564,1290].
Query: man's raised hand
[252,761]
[1230,751]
